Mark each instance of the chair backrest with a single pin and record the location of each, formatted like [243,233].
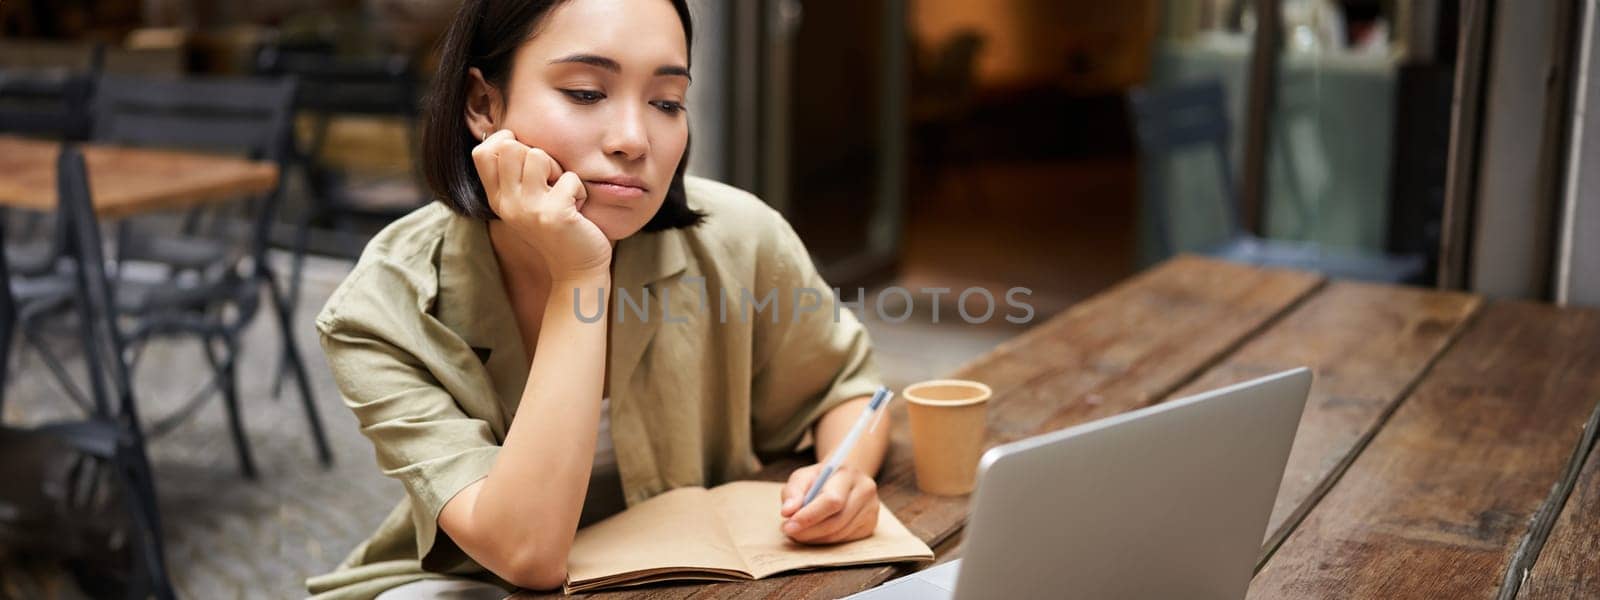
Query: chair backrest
[1180,118]
[248,116]
[102,340]
[45,87]
[245,115]
[329,83]
[49,102]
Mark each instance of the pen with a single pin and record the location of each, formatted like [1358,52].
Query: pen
[880,399]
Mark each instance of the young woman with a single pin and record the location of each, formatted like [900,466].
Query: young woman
[469,339]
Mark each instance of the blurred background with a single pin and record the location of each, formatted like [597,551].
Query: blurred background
[1057,145]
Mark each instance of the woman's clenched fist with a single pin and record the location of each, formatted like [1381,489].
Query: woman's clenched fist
[528,190]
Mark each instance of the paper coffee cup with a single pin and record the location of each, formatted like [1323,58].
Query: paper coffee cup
[949,418]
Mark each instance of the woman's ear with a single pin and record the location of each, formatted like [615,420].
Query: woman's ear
[485,104]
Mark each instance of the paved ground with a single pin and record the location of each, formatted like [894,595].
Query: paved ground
[232,538]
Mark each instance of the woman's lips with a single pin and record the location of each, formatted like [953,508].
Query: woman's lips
[616,190]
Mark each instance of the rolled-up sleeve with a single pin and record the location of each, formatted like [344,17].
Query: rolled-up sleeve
[422,436]
[807,362]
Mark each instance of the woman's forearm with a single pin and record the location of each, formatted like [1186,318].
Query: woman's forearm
[835,424]
[521,518]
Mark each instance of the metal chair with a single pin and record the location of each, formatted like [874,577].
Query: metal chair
[1194,116]
[332,86]
[53,103]
[111,434]
[215,289]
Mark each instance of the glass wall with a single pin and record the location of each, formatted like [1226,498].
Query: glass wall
[1354,145]
[1330,146]
[1190,187]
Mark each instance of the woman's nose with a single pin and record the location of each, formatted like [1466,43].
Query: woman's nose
[626,136]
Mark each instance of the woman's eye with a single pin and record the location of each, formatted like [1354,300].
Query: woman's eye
[584,96]
[668,106]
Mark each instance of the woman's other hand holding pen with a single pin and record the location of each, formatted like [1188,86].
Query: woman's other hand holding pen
[837,500]
[846,509]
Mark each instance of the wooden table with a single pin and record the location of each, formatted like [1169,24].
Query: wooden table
[1434,459]
[126,181]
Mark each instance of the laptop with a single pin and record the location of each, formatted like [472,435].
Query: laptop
[1168,501]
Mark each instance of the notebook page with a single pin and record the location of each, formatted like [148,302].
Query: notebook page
[750,509]
[678,529]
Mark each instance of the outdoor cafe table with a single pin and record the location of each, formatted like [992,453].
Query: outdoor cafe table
[128,181]
[1441,453]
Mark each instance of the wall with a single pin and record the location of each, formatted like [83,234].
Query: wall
[1510,249]
[1578,256]
[708,96]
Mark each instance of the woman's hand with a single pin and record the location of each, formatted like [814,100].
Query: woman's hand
[531,193]
[846,509]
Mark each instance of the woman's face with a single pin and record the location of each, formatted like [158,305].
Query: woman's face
[601,88]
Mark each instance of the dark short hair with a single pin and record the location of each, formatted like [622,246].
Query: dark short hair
[486,34]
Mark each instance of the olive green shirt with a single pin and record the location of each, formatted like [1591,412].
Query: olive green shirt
[425,349]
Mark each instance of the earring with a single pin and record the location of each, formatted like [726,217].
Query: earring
[484,137]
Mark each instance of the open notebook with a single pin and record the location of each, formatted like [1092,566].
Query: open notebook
[728,533]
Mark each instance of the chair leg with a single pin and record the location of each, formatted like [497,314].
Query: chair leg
[297,263]
[134,468]
[291,351]
[228,381]
[58,371]
[8,321]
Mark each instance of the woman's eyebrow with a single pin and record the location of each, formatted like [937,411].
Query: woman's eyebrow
[673,70]
[615,67]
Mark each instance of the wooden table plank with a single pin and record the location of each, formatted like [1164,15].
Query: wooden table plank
[1368,345]
[1118,351]
[1436,504]
[126,181]
[1569,564]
